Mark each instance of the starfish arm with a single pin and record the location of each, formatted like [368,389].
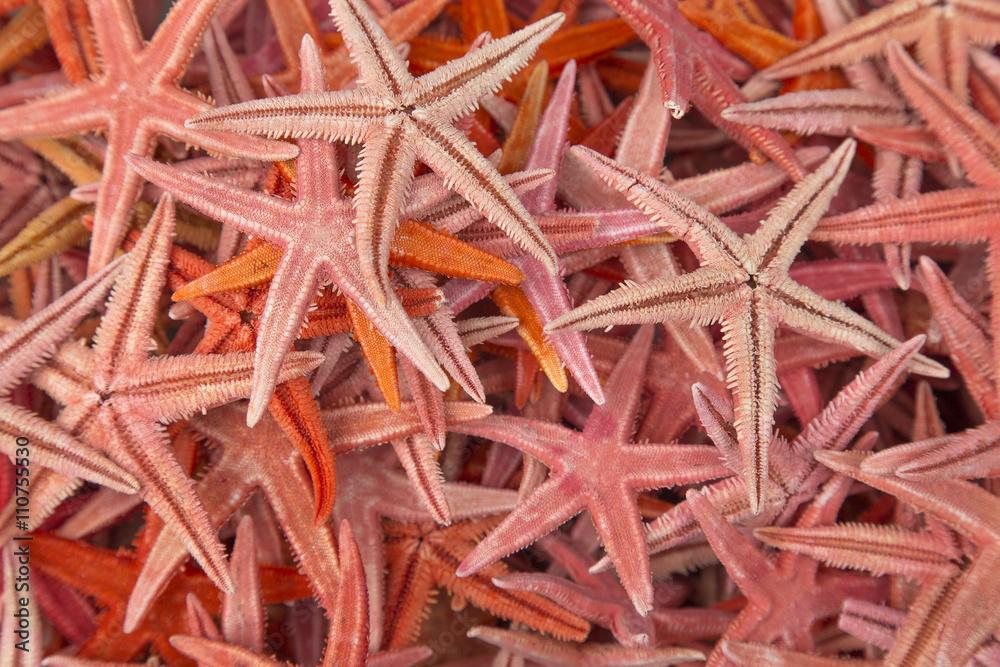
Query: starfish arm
[550,140]
[974,614]
[172,387]
[143,446]
[226,78]
[742,653]
[963,456]
[801,309]
[444,339]
[292,290]
[715,412]
[870,548]
[357,426]
[656,466]
[619,526]
[703,296]
[774,247]
[380,68]
[348,115]
[455,88]
[874,624]
[418,456]
[545,650]
[348,643]
[903,21]
[615,420]
[242,612]
[29,343]
[979,20]
[708,236]
[748,346]
[385,170]
[216,652]
[570,595]
[552,504]
[644,137]
[743,560]
[973,139]
[821,111]
[543,440]
[177,37]
[55,448]
[72,111]
[467,172]
[255,213]
[952,216]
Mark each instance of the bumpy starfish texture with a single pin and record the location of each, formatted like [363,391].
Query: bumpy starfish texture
[399,120]
[136,97]
[744,283]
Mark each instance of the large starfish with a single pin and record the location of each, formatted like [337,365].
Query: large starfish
[598,470]
[136,98]
[399,120]
[943,31]
[744,283]
[116,397]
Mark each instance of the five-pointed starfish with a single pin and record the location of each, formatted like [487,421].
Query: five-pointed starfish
[598,470]
[116,397]
[136,97]
[744,283]
[399,120]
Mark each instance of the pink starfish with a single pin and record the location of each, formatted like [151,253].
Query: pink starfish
[400,120]
[744,283]
[598,469]
[136,97]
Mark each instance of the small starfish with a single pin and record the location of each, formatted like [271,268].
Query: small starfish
[744,283]
[117,397]
[423,556]
[401,119]
[136,97]
[943,31]
[964,608]
[597,469]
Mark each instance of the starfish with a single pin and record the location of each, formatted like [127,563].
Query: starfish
[422,556]
[401,119]
[943,31]
[744,283]
[964,608]
[116,397]
[691,66]
[597,469]
[136,97]
[108,576]
[785,596]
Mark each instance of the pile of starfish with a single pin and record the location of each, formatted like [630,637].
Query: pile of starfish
[499,332]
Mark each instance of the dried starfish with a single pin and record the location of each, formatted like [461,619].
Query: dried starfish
[136,97]
[744,283]
[401,119]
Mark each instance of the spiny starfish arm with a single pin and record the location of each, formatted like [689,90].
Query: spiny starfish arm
[553,503]
[348,634]
[774,247]
[27,344]
[379,354]
[251,212]
[803,310]
[863,37]
[743,653]
[176,39]
[543,440]
[914,141]
[514,302]
[644,138]
[477,330]
[242,612]
[543,649]
[143,446]
[417,454]
[123,337]
[615,420]
[570,595]
[821,111]
[550,140]
[385,171]
[715,412]
[963,506]
[359,426]
[226,78]
[974,613]
[456,87]
[962,215]
[875,624]
[176,387]
[966,333]
[655,466]
[72,111]
[703,296]
[419,245]
[708,236]
[972,138]
[380,67]
[292,290]
[430,405]
[751,373]
[54,448]
[348,115]
[867,547]
[467,172]
[217,653]
[845,415]
[961,456]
